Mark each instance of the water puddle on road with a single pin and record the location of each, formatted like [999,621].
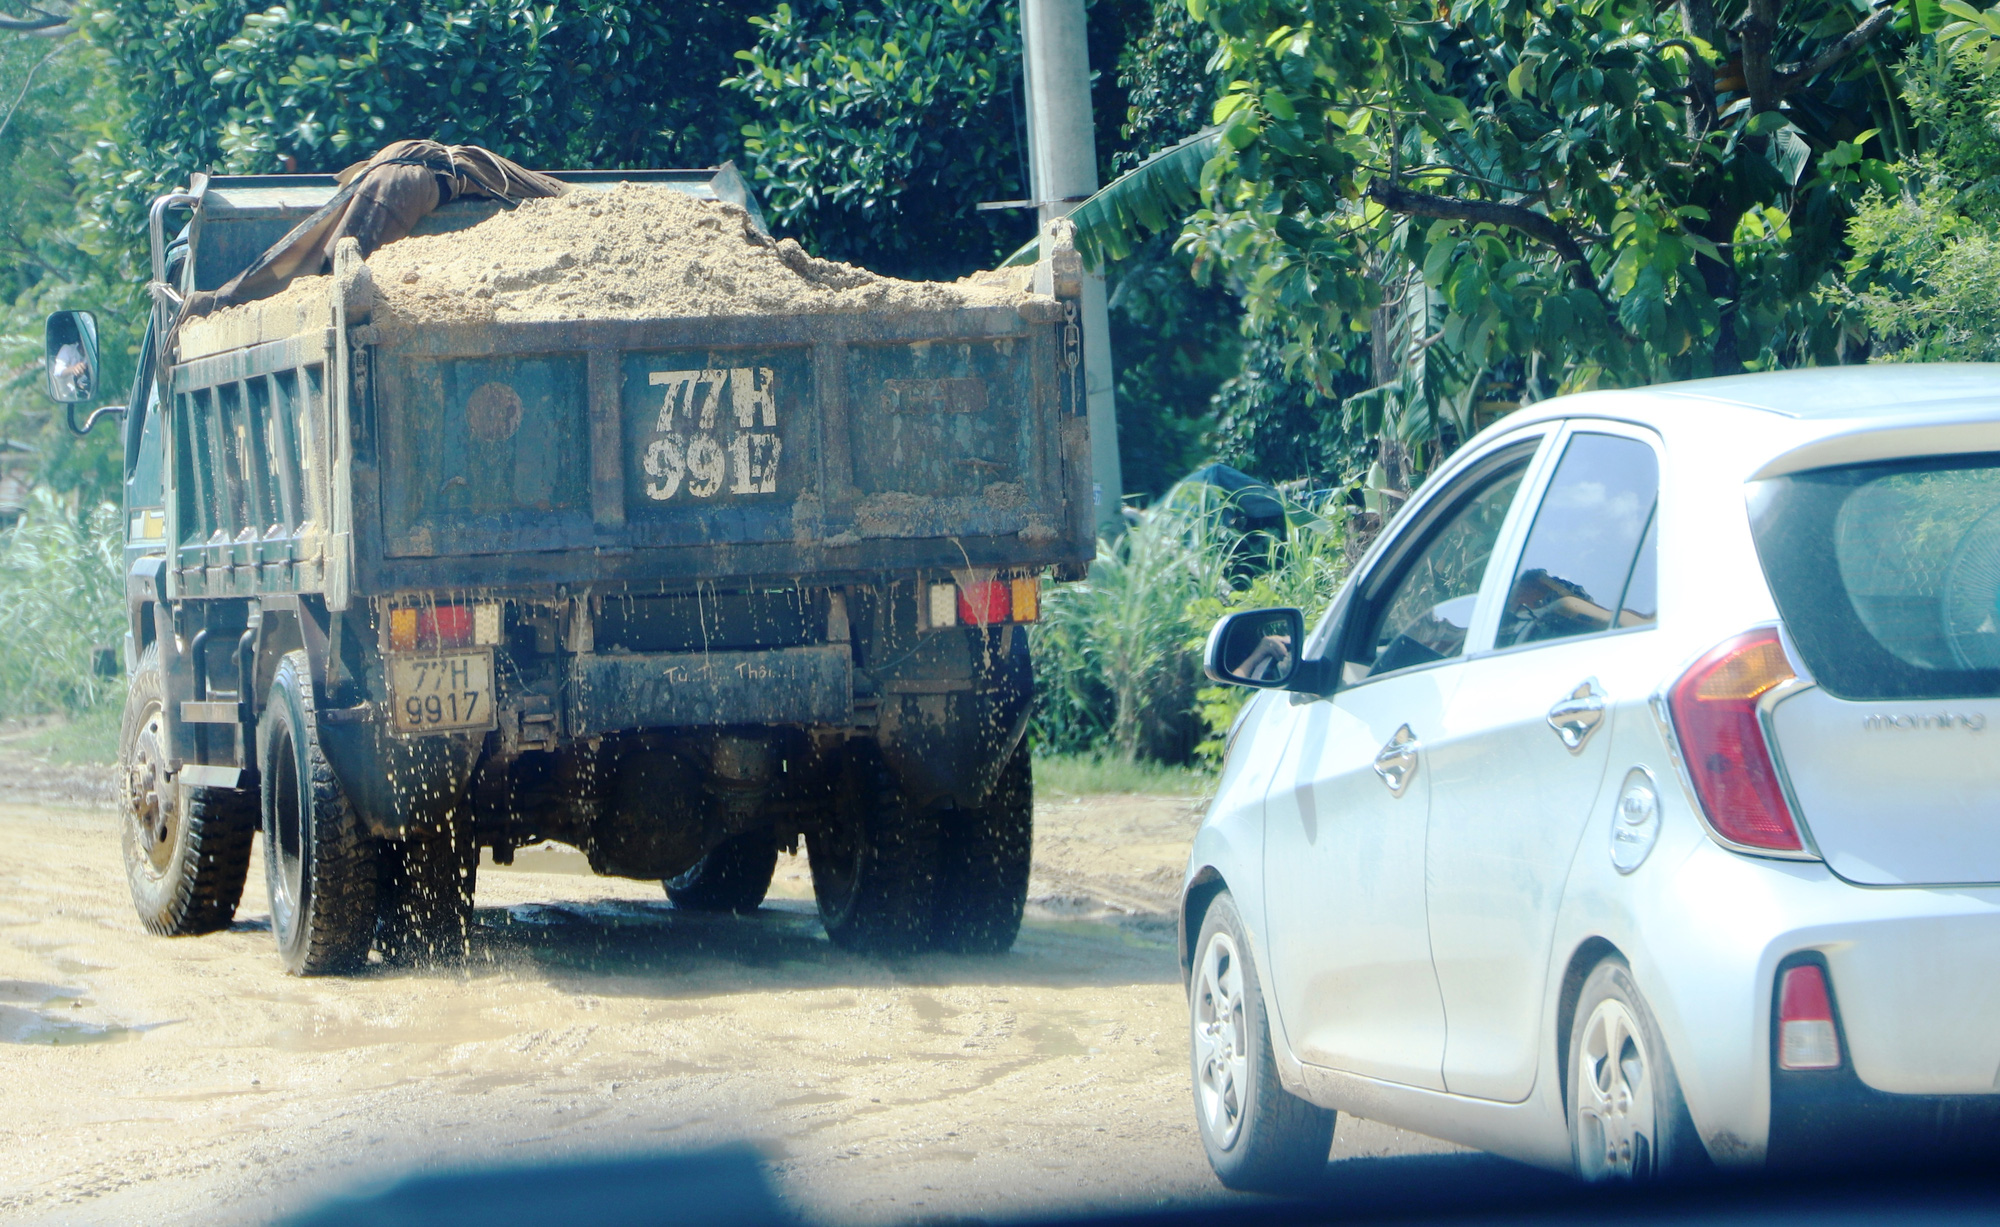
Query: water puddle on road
[24,1026]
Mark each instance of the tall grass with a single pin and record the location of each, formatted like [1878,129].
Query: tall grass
[1118,655]
[60,597]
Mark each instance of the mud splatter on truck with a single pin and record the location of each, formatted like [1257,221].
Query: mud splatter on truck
[418,568]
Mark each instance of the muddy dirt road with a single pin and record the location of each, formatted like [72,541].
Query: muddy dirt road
[167,1081]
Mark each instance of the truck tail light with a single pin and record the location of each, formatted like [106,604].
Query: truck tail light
[1807,1038]
[1714,708]
[985,602]
[436,626]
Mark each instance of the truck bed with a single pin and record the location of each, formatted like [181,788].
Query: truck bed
[347,457]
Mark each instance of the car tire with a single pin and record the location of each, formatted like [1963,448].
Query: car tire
[187,851]
[424,895]
[1259,1136]
[874,866]
[1627,1118]
[983,862]
[734,876]
[320,865]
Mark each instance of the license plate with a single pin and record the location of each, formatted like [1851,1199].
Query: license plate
[441,693]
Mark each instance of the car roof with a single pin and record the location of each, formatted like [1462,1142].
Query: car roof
[1823,393]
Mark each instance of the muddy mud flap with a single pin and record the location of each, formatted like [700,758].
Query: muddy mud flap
[641,690]
[396,784]
[944,741]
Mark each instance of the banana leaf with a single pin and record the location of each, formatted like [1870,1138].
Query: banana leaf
[1153,196]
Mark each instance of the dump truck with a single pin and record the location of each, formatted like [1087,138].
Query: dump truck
[399,594]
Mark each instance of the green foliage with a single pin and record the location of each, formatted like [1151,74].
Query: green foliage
[1118,656]
[1111,654]
[61,595]
[48,259]
[229,86]
[1175,343]
[1585,191]
[1924,274]
[878,126]
[1086,775]
[1303,572]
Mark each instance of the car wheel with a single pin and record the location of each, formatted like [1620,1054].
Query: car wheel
[1627,1120]
[733,877]
[984,861]
[185,862]
[1258,1135]
[320,866]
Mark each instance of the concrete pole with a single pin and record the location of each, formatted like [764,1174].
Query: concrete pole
[1062,160]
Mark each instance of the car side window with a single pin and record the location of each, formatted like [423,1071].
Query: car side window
[1589,563]
[1425,614]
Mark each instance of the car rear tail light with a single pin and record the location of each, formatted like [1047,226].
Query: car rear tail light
[430,627]
[985,602]
[1807,1038]
[1714,709]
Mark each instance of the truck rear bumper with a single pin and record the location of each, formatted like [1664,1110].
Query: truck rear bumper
[637,690]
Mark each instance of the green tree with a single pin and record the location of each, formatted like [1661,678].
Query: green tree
[48,259]
[1924,274]
[1499,199]
[878,132]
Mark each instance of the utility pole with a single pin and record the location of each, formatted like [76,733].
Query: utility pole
[1062,161]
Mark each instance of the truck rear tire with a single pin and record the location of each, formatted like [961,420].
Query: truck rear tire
[874,867]
[424,894]
[320,865]
[733,877]
[185,863]
[983,864]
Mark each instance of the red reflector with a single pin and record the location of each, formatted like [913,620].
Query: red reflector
[1714,707]
[442,626]
[1807,1038]
[983,603]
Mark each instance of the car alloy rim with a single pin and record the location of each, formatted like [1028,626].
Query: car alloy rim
[1614,1096]
[149,796]
[1221,1047]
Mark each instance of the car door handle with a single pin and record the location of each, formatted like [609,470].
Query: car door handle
[1396,761]
[1576,716]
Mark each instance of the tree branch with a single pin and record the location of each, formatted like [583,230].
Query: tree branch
[1700,88]
[1757,29]
[1538,226]
[44,21]
[1790,77]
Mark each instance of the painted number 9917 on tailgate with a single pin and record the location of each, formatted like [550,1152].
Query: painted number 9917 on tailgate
[445,692]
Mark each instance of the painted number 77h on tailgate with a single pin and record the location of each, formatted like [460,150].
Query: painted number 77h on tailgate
[717,430]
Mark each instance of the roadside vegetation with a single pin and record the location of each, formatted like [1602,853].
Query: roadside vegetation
[61,602]
[1349,233]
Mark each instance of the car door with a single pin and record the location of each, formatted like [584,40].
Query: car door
[1348,939]
[1519,758]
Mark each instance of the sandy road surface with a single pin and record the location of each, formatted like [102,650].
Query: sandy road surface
[190,1080]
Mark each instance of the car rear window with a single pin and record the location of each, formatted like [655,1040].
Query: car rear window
[1888,575]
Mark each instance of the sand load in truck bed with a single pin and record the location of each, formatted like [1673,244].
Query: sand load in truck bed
[625,252]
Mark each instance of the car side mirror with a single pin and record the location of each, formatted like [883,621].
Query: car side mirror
[1260,648]
[69,341]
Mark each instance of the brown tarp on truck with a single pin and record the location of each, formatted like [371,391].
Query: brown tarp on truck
[379,201]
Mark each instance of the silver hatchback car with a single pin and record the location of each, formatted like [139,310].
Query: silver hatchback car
[1636,806]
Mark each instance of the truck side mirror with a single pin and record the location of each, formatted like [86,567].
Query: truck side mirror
[1260,648]
[69,340]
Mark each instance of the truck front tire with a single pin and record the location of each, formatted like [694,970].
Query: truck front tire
[733,877]
[320,865]
[874,867]
[187,852]
[983,864]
